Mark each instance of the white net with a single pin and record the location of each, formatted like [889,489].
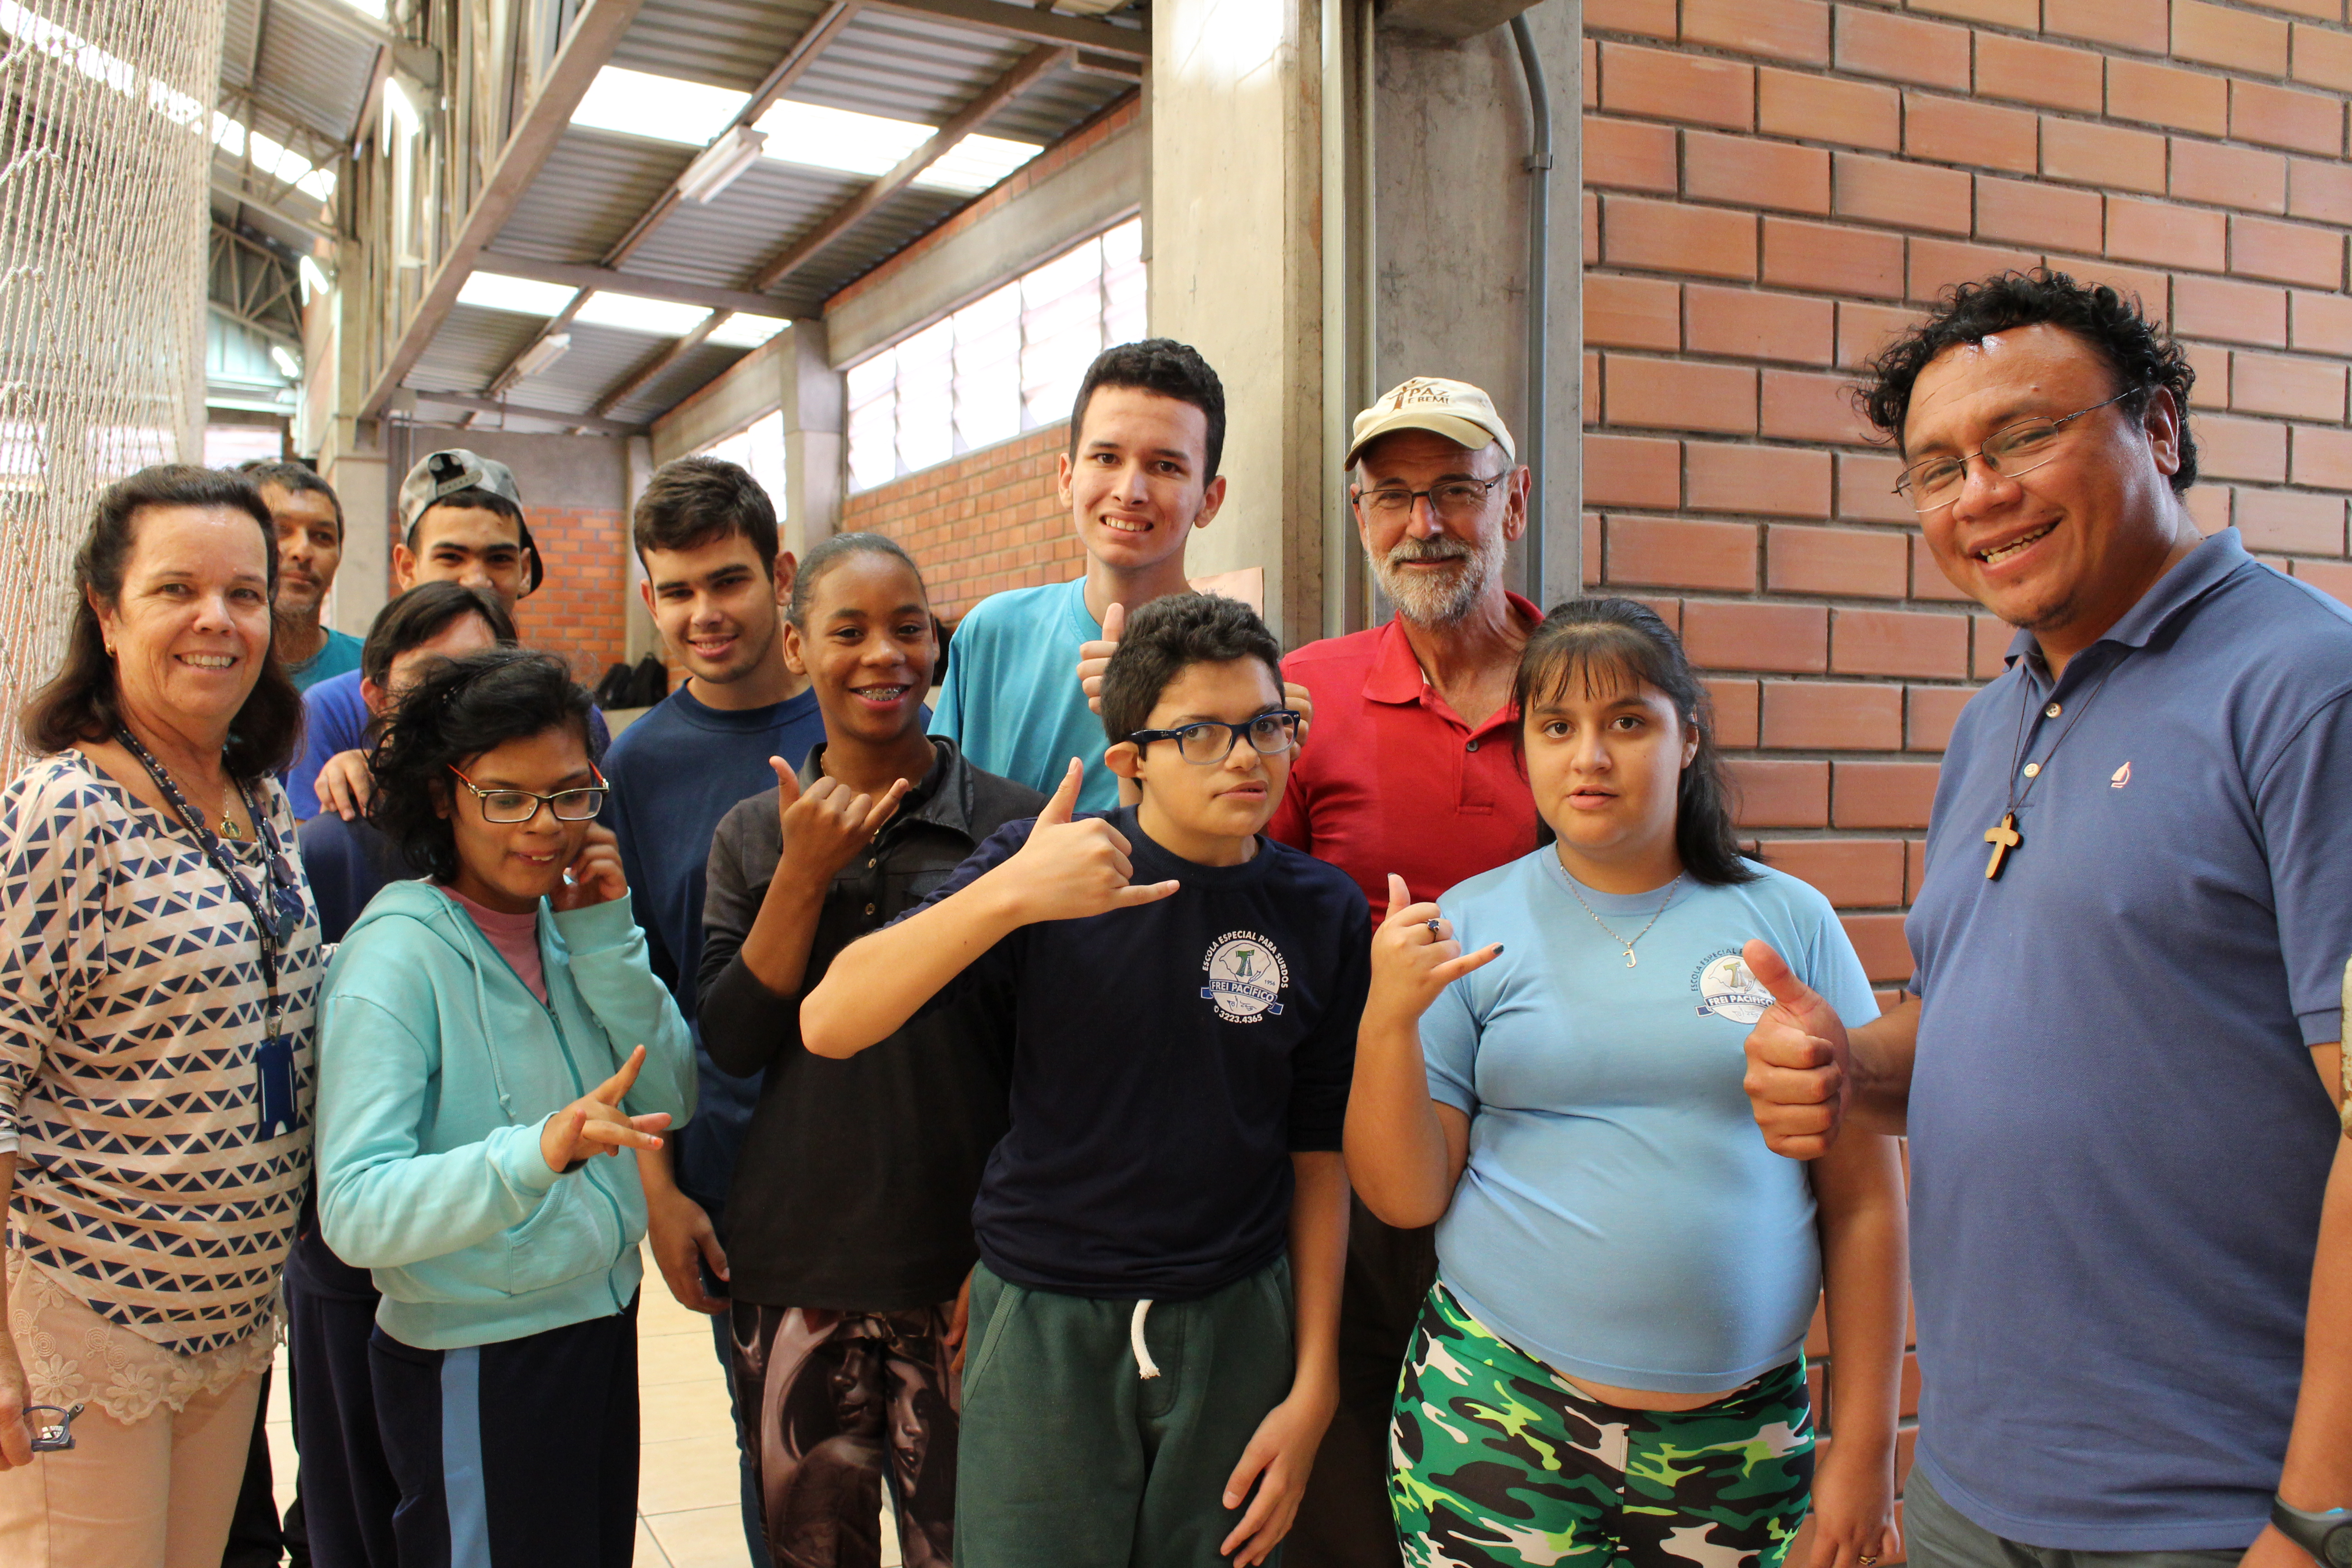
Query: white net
[105,110]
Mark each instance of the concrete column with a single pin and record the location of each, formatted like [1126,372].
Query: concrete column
[1236,181]
[1451,200]
[815,439]
[351,458]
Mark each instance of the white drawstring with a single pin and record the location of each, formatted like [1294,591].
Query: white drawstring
[1144,1365]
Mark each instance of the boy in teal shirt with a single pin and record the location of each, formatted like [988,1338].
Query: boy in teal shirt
[1146,435]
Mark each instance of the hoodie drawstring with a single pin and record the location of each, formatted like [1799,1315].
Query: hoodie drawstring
[1144,1365]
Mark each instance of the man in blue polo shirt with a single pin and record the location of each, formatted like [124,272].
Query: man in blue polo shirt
[2130,944]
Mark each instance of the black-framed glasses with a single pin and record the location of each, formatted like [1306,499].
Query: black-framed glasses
[2012,450]
[1455,500]
[510,806]
[1212,741]
[51,1436]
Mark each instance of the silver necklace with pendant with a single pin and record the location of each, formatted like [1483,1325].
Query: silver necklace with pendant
[1672,887]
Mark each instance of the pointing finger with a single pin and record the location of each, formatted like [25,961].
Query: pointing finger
[614,1090]
[885,806]
[1453,969]
[1148,893]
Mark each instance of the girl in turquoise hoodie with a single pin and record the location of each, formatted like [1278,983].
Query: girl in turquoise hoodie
[486,1033]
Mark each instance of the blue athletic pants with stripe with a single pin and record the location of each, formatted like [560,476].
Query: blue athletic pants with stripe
[514,1455]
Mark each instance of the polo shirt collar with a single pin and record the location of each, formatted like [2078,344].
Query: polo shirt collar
[1395,675]
[2218,558]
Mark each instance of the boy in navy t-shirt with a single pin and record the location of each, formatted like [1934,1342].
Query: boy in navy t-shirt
[1151,1359]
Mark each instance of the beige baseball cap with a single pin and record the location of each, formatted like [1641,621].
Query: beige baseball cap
[1454,409]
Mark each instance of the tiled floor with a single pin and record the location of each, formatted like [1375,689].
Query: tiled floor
[687,1511]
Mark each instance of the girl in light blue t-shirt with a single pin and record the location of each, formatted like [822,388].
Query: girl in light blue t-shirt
[1611,1361]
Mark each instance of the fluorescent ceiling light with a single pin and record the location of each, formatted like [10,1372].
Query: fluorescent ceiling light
[635,313]
[975,164]
[288,365]
[822,138]
[497,291]
[636,103]
[314,281]
[720,164]
[541,354]
[747,331]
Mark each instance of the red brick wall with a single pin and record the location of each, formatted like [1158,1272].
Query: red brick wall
[1774,185]
[579,611]
[988,521]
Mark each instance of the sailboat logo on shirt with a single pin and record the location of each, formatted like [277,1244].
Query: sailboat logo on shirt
[1730,989]
[1244,977]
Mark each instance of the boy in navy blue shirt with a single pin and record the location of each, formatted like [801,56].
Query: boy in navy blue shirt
[1151,1357]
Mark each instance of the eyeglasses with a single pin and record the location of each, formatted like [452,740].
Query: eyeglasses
[51,1436]
[508,806]
[2013,449]
[1456,501]
[1270,733]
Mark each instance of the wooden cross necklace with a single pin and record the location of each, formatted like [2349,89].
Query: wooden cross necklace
[2003,835]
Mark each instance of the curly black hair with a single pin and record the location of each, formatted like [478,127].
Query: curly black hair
[459,710]
[1167,367]
[1167,636]
[2142,355]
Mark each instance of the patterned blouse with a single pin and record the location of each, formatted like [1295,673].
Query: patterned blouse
[132,1001]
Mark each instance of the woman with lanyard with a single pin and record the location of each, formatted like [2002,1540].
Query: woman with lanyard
[1611,1364]
[159,963]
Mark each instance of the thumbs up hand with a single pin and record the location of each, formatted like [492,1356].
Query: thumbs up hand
[1798,1076]
[1069,870]
[1093,657]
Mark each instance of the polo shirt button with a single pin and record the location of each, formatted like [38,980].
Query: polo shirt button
[870,908]
[2050,711]
[2032,769]
[1474,745]
[871,863]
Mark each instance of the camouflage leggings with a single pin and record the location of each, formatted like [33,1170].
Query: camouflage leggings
[1496,1462]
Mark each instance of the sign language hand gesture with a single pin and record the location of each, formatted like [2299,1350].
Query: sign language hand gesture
[1797,1078]
[596,1124]
[1069,870]
[596,877]
[1415,956]
[827,826]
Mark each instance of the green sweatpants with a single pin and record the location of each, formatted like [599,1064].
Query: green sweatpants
[1071,1459]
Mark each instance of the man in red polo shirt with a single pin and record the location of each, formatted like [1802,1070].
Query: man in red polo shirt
[1413,768]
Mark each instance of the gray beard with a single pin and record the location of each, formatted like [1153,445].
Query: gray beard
[1432,601]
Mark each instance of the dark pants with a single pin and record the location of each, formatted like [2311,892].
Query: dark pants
[1344,1519]
[255,1538]
[1938,1535]
[348,1492]
[838,1402]
[514,1455]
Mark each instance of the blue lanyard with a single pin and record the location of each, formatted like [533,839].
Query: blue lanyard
[274,922]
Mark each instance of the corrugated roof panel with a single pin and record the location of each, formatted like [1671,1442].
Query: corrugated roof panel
[314,70]
[445,415]
[727,43]
[694,371]
[590,189]
[598,359]
[472,346]
[240,41]
[753,219]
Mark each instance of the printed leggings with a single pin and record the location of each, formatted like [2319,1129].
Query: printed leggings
[1499,1462]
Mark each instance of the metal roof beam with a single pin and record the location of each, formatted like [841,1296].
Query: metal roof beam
[1040,26]
[796,61]
[659,362]
[1032,66]
[467,400]
[309,226]
[594,32]
[573,275]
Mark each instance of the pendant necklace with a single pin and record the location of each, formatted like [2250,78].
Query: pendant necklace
[1672,887]
[2004,837]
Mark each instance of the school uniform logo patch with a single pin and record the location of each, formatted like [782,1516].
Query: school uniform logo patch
[1727,988]
[1244,977]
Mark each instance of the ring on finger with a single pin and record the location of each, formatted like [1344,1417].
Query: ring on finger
[1435,927]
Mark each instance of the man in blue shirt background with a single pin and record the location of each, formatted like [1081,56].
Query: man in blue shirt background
[716,583]
[2128,1183]
[310,519]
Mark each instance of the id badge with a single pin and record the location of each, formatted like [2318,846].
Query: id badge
[274,1062]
